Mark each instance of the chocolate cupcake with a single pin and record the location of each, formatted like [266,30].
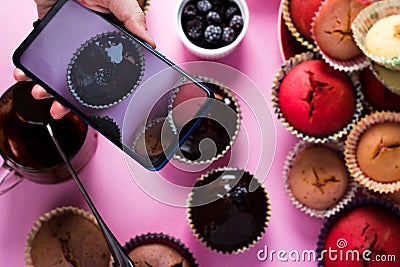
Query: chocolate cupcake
[316,178]
[360,234]
[159,250]
[67,236]
[108,125]
[153,139]
[372,152]
[228,210]
[218,129]
[105,70]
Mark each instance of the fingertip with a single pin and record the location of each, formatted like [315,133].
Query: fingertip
[57,110]
[39,92]
[19,75]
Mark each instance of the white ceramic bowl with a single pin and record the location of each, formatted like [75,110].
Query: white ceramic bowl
[211,53]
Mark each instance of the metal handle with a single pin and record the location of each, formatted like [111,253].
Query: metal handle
[9,178]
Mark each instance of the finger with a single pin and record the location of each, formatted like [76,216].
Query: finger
[57,110]
[130,13]
[43,6]
[19,75]
[39,92]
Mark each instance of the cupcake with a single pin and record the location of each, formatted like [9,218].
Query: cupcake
[372,152]
[332,33]
[376,95]
[376,31]
[298,15]
[159,250]
[105,70]
[66,236]
[216,132]
[228,210]
[108,126]
[153,141]
[316,178]
[389,78]
[360,235]
[315,101]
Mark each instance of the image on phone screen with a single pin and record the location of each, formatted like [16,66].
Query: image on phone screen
[115,82]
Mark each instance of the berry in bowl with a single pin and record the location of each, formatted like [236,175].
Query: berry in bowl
[212,29]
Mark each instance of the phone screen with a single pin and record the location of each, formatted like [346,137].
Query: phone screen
[115,82]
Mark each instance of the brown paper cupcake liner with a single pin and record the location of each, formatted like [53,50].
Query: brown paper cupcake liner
[327,226]
[389,78]
[108,102]
[344,200]
[292,28]
[280,75]
[253,184]
[350,152]
[351,65]
[164,239]
[226,92]
[363,23]
[47,217]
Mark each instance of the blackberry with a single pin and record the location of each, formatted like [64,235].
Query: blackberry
[212,33]
[213,17]
[228,34]
[189,12]
[194,28]
[203,6]
[230,12]
[236,22]
[103,76]
[238,193]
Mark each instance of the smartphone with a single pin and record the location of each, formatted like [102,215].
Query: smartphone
[115,82]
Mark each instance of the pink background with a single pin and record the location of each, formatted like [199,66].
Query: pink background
[125,207]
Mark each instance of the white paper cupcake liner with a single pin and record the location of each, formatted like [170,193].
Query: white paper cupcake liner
[350,152]
[363,23]
[280,75]
[344,200]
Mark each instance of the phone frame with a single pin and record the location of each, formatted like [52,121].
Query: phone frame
[38,27]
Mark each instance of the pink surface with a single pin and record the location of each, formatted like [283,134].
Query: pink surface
[125,207]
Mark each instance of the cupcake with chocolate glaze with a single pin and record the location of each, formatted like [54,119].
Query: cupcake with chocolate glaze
[105,70]
[216,132]
[66,236]
[159,250]
[372,152]
[108,126]
[228,210]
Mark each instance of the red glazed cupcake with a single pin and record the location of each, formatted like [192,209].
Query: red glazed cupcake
[376,94]
[361,235]
[316,99]
[302,13]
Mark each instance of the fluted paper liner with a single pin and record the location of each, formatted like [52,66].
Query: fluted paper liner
[47,217]
[164,239]
[342,202]
[350,152]
[389,78]
[239,249]
[363,23]
[280,75]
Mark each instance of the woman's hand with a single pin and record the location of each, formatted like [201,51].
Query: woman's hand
[127,11]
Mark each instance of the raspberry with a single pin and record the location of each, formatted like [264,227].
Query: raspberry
[228,34]
[189,12]
[204,6]
[212,33]
[230,12]
[103,76]
[194,28]
[213,17]
[236,22]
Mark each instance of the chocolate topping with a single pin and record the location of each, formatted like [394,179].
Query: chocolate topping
[226,213]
